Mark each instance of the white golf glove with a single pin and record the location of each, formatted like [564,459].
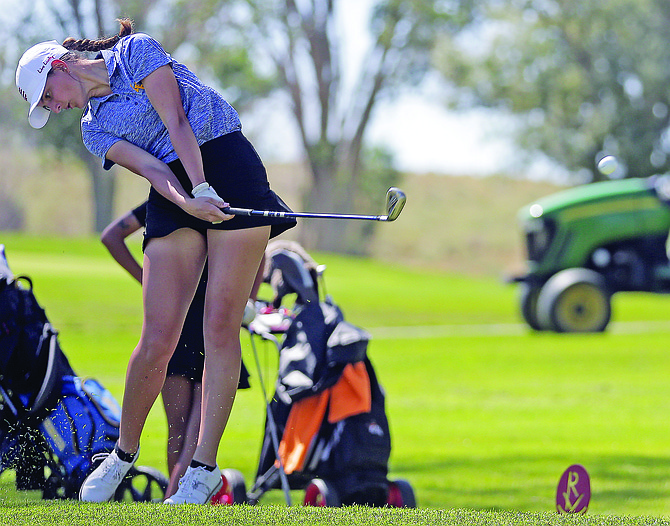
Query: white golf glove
[204,190]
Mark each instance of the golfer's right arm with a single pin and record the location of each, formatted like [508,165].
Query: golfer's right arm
[164,181]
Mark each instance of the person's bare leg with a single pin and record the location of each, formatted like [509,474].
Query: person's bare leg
[258,280]
[172,268]
[182,399]
[233,261]
[176,394]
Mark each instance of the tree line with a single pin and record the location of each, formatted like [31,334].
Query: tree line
[581,79]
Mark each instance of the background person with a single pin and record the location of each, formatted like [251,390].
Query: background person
[150,114]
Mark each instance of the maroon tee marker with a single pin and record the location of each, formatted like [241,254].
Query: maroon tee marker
[574,490]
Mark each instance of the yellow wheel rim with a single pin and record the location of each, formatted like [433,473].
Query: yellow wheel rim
[581,308]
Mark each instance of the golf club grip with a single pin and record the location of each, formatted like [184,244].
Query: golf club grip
[250,212]
[271,213]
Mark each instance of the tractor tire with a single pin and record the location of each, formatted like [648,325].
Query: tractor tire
[574,300]
[528,301]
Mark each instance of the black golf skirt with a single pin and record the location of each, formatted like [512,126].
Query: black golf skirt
[188,359]
[236,172]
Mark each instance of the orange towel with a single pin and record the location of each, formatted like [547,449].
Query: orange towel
[348,397]
[351,394]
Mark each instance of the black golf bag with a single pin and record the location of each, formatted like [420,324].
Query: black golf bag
[53,424]
[326,429]
[350,454]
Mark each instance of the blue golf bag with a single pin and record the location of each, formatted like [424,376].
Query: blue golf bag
[54,426]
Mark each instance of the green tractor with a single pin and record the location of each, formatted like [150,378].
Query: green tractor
[586,243]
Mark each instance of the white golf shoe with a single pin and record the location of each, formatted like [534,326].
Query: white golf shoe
[197,486]
[102,483]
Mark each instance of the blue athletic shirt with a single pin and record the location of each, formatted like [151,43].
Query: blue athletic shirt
[126,114]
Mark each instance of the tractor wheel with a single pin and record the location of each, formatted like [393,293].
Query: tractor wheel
[574,300]
[322,493]
[528,299]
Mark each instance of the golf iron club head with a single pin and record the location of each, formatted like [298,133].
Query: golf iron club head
[395,201]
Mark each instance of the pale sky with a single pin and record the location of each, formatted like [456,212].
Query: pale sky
[422,134]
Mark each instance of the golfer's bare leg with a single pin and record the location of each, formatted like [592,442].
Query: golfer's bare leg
[172,268]
[233,260]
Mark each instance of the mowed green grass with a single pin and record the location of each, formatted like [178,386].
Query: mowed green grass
[484,414]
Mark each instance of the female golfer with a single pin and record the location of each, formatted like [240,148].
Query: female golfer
[150,114]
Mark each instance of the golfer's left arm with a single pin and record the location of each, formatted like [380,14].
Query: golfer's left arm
[163,92]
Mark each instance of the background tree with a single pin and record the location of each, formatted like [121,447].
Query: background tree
[584,78]
[294,51]
[297,49]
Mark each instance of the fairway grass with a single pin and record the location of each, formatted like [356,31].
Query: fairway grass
[76,514]
[485,415]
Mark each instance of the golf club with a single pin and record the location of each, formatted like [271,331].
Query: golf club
[395,201]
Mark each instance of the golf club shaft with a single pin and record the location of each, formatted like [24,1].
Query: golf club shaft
[270,213]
